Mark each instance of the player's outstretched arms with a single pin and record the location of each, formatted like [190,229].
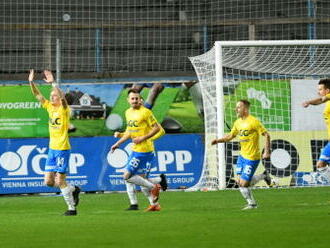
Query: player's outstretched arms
[34,89]
[49,78]
[114,147]
[125,137]
[315,101]
[225,138]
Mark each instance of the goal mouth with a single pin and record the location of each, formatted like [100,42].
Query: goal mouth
[266,73]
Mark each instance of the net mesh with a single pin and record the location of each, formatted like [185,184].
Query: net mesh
[266,76]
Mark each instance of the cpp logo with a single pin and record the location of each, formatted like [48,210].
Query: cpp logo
[167,160]
[18,163]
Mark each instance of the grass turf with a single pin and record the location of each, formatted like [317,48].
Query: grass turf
[297,217]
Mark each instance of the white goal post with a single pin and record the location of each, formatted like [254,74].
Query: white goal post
[259,71]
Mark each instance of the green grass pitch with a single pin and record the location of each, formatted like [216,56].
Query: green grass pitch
[296,217]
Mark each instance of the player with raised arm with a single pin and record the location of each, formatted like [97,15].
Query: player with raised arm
[323,162]
[141,127]
[57,163]
[248,129]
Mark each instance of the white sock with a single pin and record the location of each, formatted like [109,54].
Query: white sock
[147,193]
[154,180]
[138,180]
[130,188]
[257,178]
[247,194]
[68,197]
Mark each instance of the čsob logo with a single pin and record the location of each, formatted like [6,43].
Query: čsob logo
[174,161]
[32,157]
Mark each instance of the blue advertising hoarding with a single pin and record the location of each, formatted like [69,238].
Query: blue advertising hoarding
[93,167]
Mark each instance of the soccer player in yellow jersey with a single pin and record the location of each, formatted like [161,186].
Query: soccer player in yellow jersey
[322,164]
[141,127]
[248,129]
[130,187]
[57,162]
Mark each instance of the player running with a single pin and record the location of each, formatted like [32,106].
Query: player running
[130,187]
[248,128]
[141,128]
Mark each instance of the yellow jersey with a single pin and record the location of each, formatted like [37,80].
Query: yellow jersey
[59,118]
[326,115]
[139,123]
[249,131]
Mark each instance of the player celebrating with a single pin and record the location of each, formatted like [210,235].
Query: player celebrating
[59,147]
[324,92]
[248,128]
[130,187]
[141,127]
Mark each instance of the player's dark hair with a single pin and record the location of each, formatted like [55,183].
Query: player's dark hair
[135,91]
[325,82]
[245,102]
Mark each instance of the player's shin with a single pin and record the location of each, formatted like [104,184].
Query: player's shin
[248,196]
[147,193]
[68,197]
[130,188]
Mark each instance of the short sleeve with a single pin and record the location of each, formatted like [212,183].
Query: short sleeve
[234,130]
[260,127]
[151,120]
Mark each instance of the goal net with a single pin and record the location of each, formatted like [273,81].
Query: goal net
[276,77]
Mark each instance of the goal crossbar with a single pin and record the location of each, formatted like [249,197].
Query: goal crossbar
[272,43]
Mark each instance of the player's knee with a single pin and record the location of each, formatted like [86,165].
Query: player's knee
[243,183]
[320,164]
[60,183]
[49,182]
[126,176]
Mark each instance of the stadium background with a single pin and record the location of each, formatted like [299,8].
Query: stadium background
[103,38]
[114,44]
[119,42]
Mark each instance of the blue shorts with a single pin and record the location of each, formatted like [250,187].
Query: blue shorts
[325,154]
[140,162]
[245,168]
[57,161]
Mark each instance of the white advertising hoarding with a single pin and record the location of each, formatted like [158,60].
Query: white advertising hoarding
[310,118]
